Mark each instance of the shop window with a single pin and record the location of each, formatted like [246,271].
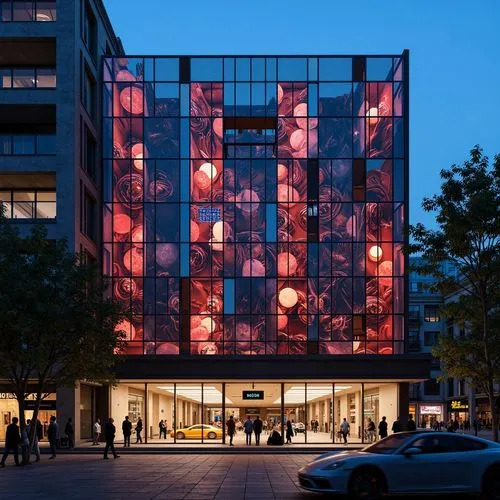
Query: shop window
[430,338]
[431,387]
[431,314]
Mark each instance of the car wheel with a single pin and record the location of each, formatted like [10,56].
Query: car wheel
[211,435]
[491,484]
[367,484]
[180,435]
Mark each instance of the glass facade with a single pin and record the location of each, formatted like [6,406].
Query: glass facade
[256,205]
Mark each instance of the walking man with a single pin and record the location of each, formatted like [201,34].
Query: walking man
[52,433]
[231,429]
[138,430]
[257,428]
[70,432]
[248,426]
[382,428]
[127,431]
[344,429]
[97,431]
[12,440]
[109,435]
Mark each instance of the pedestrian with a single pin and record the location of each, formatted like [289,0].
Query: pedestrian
[316,425]
[163,429]
[138,430]
[248,426]
[97,432]
[45,428]
[476,426]
[35,449]
[70,432]
[257,428]
[109,436]
[12,440]
[371,430]
[312,425]
[345,429]
[382,428]
[38,438]
[52,433]
[231,429]
[412,426]
[289,432]
[423,424]
[127,431]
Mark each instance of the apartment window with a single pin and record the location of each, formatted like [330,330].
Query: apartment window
[461,387]
[431,314]
[28,11]
[451,388]
[42,144]
[415,286]
[88,222]
[430,338]
[88,92]
[89,150]
[413,312]
[28,204]
[413,340]
[28,78]
[89,34]
[431,387]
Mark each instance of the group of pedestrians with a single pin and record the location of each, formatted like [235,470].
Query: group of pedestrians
[14,437]
[250,427]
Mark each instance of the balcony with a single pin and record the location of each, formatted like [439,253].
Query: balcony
[40,11]
[27,78]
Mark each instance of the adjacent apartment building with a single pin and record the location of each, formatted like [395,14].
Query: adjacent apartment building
[251,211]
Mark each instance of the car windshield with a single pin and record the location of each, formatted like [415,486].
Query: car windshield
[389,444]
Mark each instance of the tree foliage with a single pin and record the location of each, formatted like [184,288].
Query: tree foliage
[57,325]
[467,236]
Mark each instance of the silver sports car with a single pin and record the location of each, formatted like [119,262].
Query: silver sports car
[416,463]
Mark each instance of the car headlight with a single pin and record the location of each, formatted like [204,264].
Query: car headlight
[333,465]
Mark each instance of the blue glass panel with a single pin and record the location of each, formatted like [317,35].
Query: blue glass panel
[229,69]
[184,138]
[312,100]
[184,180]
[166,69]
[242,69]
[271,222]
[185,222]
[271,68]
[378,69]
[292,69]
[207,69]
[335,69]
[229,296]
[184,259]
[258,69]
[185,100]
[313,68]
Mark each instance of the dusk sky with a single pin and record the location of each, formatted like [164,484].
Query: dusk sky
[454,57]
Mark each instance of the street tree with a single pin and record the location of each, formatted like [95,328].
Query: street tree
[467,236]
[58,325]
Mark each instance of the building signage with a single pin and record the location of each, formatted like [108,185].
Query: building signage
[253,395]
[252,411]
[430,409]
[458,405]
[49,404]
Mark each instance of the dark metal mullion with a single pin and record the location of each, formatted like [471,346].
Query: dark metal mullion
[202,412]
[333,413]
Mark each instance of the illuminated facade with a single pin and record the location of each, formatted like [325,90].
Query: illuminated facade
[256,205]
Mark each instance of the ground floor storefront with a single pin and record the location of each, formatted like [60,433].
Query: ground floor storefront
[181,412]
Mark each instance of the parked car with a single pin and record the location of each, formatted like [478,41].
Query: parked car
[298,427]
[419,463]
[195,432]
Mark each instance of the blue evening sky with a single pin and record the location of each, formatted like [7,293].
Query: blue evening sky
[454,57]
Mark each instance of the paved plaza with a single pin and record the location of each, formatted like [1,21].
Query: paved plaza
[228,477]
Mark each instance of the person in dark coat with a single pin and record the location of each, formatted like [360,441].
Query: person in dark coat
[396,426]
[52,433]
[382,428]
[70,432]
[289,432]
[231,429]
[412,426]
[248,427]
[127,431]
[138,430]
[109,436]
[12,440]
[257,428]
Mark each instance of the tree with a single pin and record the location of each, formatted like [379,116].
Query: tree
[467,236]
[57,325]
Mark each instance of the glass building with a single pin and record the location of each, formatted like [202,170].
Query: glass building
[254,221]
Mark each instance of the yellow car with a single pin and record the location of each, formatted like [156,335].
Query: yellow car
[195,432]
